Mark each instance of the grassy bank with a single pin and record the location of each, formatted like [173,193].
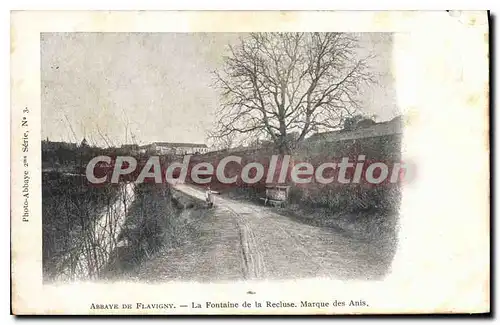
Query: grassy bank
[159,218]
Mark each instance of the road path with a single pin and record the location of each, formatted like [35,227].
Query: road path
[242,240]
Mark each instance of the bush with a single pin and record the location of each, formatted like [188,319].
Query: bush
[349,198]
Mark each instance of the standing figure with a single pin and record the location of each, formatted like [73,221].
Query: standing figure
[209,198]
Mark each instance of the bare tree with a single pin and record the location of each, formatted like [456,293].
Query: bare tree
[274,84]
[222,142]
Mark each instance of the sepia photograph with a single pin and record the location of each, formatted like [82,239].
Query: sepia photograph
[262,170]
[157,99]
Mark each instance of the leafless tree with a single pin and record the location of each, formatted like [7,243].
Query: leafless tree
[274,84]
[222,142]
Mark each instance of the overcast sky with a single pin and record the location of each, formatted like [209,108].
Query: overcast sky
[159,85]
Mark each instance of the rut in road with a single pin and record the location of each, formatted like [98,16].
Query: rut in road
[267,245]
[253,261]
[252,258]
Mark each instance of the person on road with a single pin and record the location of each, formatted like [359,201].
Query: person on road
[209,197]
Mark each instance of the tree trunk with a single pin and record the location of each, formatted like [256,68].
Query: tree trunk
[282,146]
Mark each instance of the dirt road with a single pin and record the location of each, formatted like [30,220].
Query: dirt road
[242,240]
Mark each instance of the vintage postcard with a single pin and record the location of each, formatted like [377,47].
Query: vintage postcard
[256,163]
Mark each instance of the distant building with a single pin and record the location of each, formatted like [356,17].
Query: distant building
[56,145]
[132,149]
[84,143]
[144,149]
[365,123]
[357,122]
[366,129]
[174,148]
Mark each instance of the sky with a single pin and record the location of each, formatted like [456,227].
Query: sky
[158,86]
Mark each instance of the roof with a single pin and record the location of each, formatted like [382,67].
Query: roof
[381,128]
[180,144]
